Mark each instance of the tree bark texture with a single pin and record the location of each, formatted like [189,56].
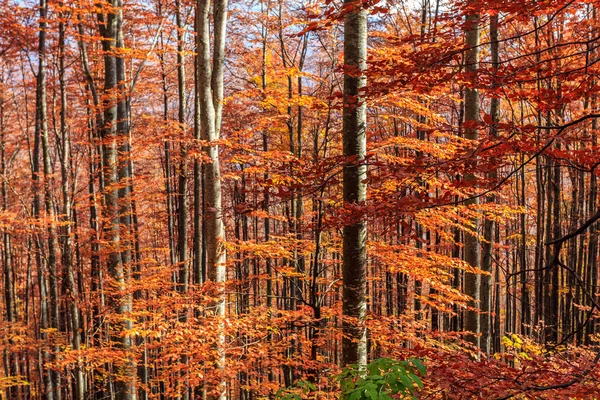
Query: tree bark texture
[472,253]
[210,86]
[354,269]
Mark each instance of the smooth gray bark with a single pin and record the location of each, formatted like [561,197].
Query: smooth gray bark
[199,262]
[11,357]
[489,225]
[168,165]
[210,86]
[354,269]
[66,241]
[472,253]
[182,199]
[48,316]
[114,169]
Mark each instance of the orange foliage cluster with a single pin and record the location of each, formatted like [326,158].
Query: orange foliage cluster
[533,169]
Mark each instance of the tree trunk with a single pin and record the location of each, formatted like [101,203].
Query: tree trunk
[168,167]
[11,356]
[471,250]
[67,246]
[182,199]
[354,269]
[110,26]
[48,306]
[487,260]
[198,240]
[211,105]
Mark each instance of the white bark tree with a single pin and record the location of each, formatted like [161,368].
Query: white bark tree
[210,86]
[354,297]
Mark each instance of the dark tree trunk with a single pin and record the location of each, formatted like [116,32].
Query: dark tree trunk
[119,255]
[472,251]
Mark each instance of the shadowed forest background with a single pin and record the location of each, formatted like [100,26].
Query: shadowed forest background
[236,199]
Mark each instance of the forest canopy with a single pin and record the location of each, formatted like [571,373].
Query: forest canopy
[299,199]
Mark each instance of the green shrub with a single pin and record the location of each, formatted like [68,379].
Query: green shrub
[380,380]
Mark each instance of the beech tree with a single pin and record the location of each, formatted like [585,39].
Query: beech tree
[184,208]
[48,291]
[114,172]
[472,109]
[210,86]
[355,190]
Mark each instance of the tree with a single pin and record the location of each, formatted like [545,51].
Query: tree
[48,301]
[210,86]
[472,248]
[110,26]
[354,272]
[482,167]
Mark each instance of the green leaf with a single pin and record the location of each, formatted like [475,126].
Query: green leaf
[407,382]
[373,368]
[381,379]
[420,367]
[372,394]
[417,381]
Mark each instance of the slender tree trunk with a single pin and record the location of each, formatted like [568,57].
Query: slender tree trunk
[198,240]
[489,226]
[182,231]
[354,269]
[48,301]
[524,275]
[555,281]
[125,200]
[540,259]
[168,166]
[211,106]
[124,150]
[592,253]
[11,359]
[110,24]
[95,124]
[182,195]
[420,237]
[267,187]
[265,148]
[67,245]
[471,249]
